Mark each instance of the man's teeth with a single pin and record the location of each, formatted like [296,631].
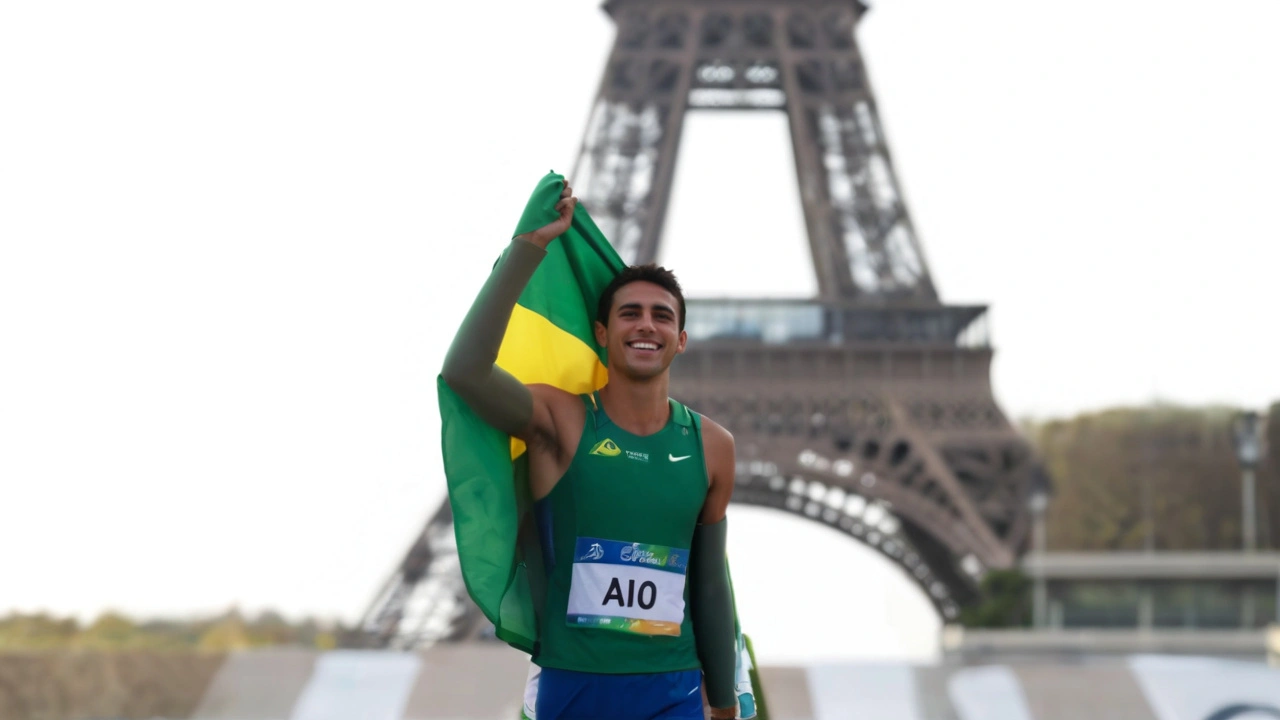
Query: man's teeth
[644,346]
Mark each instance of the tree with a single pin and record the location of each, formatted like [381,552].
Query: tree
[111,630]
[1005,603]
[226,634]
[36,632]
[1163,477]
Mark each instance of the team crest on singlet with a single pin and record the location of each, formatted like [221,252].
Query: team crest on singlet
[607,448]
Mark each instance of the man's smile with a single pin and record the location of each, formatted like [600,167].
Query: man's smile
[644,345]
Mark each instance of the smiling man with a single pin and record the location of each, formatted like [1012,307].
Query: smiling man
[630,491]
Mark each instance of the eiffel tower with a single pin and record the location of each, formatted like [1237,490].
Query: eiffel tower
[867,408]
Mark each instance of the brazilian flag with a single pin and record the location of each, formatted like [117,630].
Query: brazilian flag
[549,340]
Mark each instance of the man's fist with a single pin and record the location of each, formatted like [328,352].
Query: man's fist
[545,234]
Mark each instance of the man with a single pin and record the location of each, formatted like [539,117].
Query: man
[630,491]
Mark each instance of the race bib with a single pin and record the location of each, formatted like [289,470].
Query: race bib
[629,587]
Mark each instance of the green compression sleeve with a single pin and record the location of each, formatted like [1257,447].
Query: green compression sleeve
[712,611]
[496,396]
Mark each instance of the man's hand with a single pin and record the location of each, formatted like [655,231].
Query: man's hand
[545,234]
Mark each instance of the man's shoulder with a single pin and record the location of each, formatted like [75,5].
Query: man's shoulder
[718,448]
[715,433]
[710,428]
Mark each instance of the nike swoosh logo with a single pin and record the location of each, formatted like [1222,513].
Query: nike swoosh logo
[673,458]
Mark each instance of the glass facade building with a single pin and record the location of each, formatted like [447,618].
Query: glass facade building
[1192,591]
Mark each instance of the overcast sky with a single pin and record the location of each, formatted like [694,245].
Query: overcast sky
[236,238]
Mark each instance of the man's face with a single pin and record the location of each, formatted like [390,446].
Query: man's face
[643,335]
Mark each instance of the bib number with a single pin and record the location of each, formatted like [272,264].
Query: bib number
[628,587]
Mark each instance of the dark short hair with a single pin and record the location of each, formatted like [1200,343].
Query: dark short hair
[652,273]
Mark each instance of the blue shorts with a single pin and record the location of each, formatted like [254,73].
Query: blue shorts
[569,695]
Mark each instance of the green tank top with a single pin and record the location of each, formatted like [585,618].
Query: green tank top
[616,532]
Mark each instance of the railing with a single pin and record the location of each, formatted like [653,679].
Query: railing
[780,321]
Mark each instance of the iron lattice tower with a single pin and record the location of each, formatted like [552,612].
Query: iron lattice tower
[868,408]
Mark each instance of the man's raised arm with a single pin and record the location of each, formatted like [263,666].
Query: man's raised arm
[469,367]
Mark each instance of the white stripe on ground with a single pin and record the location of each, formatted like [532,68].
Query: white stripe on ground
[988,693]
[358,685]
[858,692]
[258,685]
[1191,688]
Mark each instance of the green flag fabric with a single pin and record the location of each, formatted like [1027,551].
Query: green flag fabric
[548,340]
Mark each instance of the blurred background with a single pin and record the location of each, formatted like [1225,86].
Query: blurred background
[236,240]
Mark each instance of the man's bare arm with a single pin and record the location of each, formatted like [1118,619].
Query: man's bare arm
[469,367]
[719,448]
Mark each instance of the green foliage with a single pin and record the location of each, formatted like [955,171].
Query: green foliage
[110,630]
[1005,603]
[1163,477]
[114,631]
[36,632]
[226,635]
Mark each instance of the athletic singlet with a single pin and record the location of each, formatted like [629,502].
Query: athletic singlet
[616,533]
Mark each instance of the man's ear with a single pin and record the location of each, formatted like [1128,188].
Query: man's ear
[601,332]
[684,340]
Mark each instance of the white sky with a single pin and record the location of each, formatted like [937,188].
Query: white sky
[236,238]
